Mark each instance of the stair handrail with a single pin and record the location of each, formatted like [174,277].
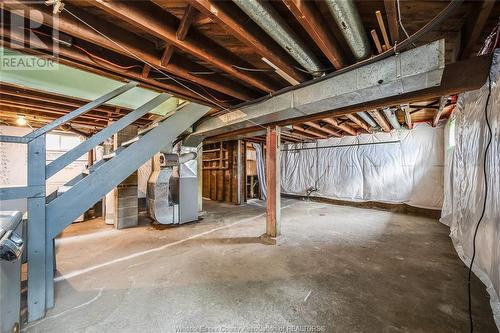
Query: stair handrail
[73,154]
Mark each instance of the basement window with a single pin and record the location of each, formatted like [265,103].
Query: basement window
[451,133]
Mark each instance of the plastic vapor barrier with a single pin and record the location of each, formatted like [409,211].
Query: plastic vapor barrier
[467,136]
[398,167]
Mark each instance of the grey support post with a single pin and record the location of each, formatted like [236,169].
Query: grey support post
[40,252]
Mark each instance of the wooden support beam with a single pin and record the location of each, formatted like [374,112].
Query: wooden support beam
[381,24]
[343,127]
[310,131]
[167,54]
[376,40]
[326,130]
[75,58]
[392,19]
[408,120]
[186,22]
[159,25]
[442,103]
[476,21]
[123,42]
[145,71]
[308,16]
[273,182]
[380,120]
[236,24]
[358,121]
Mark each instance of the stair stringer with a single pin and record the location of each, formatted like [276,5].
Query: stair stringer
[63,210]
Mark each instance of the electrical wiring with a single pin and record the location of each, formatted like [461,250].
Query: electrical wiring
[88,53]
[401,22]
[252,69]
[92,56]
[319,71]
[483,210]
[153,66]
[203,73]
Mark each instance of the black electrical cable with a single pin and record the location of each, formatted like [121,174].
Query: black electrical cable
[490,135]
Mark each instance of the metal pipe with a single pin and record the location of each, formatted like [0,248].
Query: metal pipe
[391,116]
[266,17]
[366,117]
[347,18]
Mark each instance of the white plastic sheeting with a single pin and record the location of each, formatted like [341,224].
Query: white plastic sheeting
[398,167]
[465,186]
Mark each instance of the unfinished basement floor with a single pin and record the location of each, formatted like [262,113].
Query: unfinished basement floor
[338,268]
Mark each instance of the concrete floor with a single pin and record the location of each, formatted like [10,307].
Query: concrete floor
[337,268]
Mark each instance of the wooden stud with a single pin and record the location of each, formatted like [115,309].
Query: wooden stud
[382,29]
[392,19]
[376,41]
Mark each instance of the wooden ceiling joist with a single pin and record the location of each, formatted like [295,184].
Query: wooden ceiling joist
[358,121]
[392,19]
[324,129]
[36,95]
[76,58]
[249,35]
[343,127]
[308,17]
[159,25]
[380,120]
[126,44]
[309,131]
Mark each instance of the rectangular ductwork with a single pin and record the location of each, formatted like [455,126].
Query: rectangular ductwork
[410,71]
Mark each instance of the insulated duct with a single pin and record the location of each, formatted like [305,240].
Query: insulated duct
[390,114]
[269,20]
[347,18]
[366,117]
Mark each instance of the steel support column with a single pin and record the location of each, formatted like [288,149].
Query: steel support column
[40,251]
[273,200]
